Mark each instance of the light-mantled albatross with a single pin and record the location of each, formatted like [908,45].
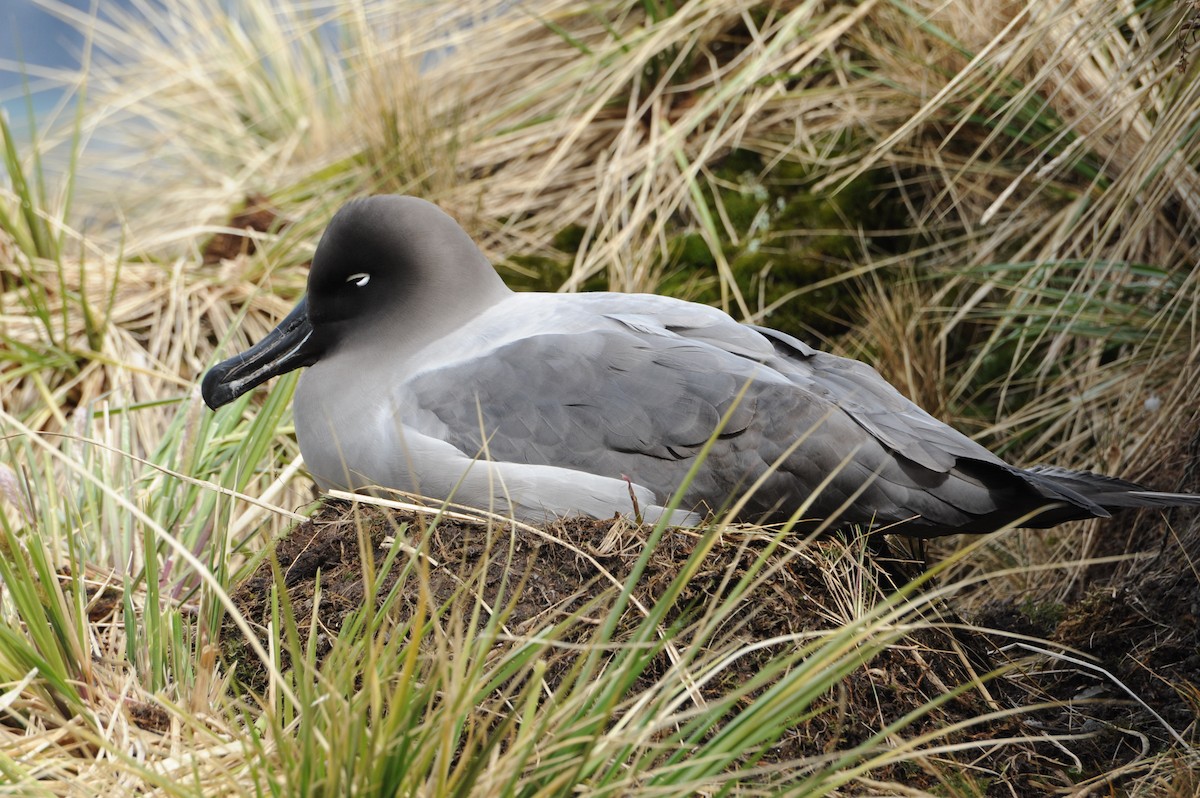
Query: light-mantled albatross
[427,375]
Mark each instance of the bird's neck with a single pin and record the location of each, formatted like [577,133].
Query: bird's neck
[421,320]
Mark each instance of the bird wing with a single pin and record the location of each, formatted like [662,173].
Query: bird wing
[639,393]
[609,401]
[825,380]
[876,405]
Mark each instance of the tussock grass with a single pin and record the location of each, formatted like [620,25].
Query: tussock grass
[994,203]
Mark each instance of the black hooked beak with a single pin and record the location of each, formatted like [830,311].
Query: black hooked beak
[289,346]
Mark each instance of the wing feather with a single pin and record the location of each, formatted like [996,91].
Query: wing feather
[638,393]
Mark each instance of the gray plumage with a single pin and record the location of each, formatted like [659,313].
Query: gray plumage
[427,375]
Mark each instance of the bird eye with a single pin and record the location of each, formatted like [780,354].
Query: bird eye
[360,279]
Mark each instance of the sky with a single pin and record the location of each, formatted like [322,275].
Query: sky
[30,34]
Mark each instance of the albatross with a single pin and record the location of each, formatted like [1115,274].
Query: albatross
[427,375]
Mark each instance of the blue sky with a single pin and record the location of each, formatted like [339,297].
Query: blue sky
[31,34]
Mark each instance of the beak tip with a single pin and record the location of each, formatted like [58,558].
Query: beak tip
[213,390]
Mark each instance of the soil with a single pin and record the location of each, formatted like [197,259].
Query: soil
[1145,634]
[256,216]
[1134,633]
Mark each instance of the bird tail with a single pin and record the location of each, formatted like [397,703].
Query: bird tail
[1106,492]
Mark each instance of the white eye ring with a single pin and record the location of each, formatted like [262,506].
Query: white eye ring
[360,279]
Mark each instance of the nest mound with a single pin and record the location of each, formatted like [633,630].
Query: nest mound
[573,571]
[1130,635]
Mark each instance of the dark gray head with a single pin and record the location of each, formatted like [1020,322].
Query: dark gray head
[389,270]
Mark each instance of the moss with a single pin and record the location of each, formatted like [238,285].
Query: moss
[1043,615]
[964,784]
[548,271]
[737,162]
[744,210]
[543,273]
[785,238]
[534,272]
[696,285]
[569,238]
[691,249]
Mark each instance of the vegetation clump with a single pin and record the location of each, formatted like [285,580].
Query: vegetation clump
[994,204]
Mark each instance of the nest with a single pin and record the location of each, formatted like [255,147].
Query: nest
[571,573]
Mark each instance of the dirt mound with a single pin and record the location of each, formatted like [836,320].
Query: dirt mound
[576,568]
[1127,649]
